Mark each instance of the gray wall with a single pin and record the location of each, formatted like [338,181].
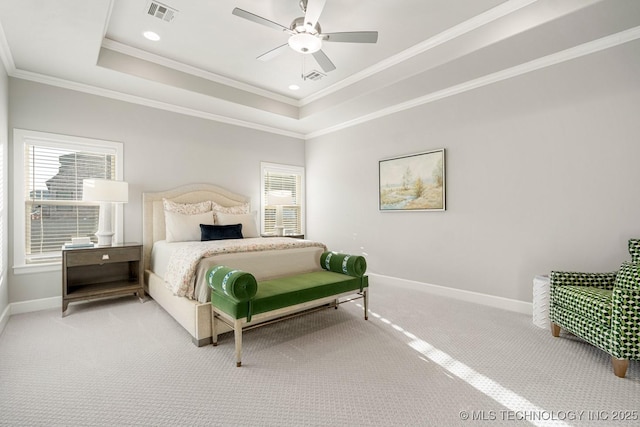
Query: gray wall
[4,116]
[542,173]
[161,150]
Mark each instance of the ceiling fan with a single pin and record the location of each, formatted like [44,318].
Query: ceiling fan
[306,36]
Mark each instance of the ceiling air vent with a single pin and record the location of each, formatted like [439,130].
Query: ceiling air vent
[161,11]
[313,75]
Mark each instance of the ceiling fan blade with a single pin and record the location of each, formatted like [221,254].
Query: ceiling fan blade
[272,53]
[259,19]
[324,61]
[312,14]
[352,37]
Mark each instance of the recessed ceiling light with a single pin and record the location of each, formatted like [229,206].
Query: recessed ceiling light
[150,35]
[294,87]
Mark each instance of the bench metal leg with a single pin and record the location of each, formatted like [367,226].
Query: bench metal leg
[214,330]
[365,292]
[237,332]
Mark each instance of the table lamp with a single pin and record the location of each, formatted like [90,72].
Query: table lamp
[107,192]
[279,198]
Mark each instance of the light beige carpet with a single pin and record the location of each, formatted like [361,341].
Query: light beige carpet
[419,360]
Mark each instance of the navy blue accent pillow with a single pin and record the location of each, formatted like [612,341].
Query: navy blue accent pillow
[220,232]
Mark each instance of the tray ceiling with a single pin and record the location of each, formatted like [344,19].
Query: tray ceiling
[205,61]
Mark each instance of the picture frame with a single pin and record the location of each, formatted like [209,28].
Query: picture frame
[415,182]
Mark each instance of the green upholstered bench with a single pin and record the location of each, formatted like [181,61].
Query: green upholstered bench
[240,301]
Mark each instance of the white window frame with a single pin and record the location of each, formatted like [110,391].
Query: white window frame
[283,169]
[20,137]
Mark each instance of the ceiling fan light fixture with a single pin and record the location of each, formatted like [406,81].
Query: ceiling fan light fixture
[306,35]
[305,43]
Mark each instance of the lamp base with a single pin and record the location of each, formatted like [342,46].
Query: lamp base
[105,239]
[105,232]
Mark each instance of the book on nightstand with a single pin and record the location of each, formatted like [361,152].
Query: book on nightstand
[78,242]
[77,245]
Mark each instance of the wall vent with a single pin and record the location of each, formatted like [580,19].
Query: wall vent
[313,75]
[162,11]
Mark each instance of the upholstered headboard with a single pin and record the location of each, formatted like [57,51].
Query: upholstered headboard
[153,225]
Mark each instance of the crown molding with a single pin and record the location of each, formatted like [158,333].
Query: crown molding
[198,72]
[134,99]
[518,70]
[5,53]
[537,64]
[508,7]
[463,28]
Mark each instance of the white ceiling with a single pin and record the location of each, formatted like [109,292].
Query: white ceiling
[205,63]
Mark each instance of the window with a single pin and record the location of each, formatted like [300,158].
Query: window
[49,209]
[284,183]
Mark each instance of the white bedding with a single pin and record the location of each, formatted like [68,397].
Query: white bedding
[183,265]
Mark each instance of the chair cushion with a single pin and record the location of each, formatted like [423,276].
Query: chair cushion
[585,301]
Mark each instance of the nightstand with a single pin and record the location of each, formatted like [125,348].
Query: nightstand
[102,271]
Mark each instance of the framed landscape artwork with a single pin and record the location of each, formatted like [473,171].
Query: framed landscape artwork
[413,183]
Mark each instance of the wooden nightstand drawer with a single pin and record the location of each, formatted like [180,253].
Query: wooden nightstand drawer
[99,256]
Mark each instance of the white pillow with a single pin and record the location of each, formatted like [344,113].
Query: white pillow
[238,209]
[184,228]
[187,208]
[248,221]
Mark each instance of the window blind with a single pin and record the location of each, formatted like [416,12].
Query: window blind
[289,182]
[54,210]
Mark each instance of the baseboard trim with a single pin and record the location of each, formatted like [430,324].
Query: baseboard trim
[35,305]
[460,294]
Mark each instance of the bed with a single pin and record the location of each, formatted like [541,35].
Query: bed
[175,270]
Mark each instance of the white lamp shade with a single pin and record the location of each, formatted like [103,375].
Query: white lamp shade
[279,197]
[105,190]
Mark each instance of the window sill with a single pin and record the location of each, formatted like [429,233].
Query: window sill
[37,268]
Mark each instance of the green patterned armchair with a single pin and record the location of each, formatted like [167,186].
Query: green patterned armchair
[601,308]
